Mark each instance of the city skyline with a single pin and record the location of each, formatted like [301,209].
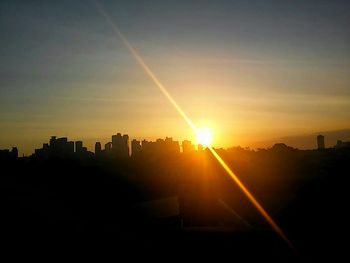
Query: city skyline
[121,145]
[300,141]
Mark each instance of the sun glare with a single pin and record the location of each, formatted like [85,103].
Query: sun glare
[204,137]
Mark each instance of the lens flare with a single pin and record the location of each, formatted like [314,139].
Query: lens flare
[204,136]
[160,86]
[251,198]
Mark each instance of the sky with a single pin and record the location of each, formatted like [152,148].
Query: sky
[249,70]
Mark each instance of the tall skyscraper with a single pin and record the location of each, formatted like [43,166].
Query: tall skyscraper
[53,142]
[62,146]
[120,145]
[78,146]
[135,147]
[320,142]
[98,148]
[125,146]
[116,141]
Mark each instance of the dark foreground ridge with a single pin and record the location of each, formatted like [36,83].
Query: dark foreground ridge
[162,199]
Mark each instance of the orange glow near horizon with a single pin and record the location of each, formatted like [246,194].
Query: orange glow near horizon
[203,136]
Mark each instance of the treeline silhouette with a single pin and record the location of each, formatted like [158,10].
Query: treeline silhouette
[184,200]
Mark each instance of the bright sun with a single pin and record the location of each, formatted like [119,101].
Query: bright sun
[204,136]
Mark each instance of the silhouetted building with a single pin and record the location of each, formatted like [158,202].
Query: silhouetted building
[187,146]
[171,146]
[320,142]
[14,152]
[341,144]
[98,148]
[116,141]
[135,147]
[147,146]
[57,147]
[120,145]
[53,142]
[108,148]
[5,153]
[9,154]
[78,146]
[70,147]
[160,146]
[63,147]
[125,146]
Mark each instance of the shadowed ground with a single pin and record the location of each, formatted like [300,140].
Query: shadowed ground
[182,203]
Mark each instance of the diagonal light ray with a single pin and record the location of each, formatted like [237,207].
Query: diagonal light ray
[145,67]
[251,198]
[160,86]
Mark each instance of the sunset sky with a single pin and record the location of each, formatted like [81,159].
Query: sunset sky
[249,70]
